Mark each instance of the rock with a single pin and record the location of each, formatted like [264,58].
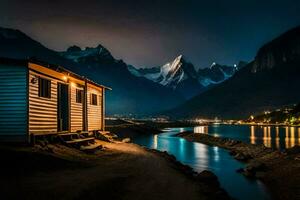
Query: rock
[208,177]
[102,137]
[255,166]
[232,152]
[248,174]
[260,174]
[240,170]
[254,169]
[184,133]
[171,157]
[126,140]
[293,150]
[220,195]
[231,143]
[42,143]
[112,135]
[242,157]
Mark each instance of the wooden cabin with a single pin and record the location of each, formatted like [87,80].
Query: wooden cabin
[41,99]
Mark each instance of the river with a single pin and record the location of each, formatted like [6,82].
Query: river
[203,157]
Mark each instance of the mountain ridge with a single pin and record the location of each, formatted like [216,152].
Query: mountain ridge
[181,76]
[130,95]
[268,82]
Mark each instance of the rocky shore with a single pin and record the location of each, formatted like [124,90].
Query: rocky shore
[280,171]
[118,170]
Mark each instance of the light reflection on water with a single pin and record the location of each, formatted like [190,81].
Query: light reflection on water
[203,157]
[270,136]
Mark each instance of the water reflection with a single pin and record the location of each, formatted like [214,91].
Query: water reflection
[201,129]
[270,136]
[252,137]
[201,153]
[267,137]
[203,157]
[298,135]
[275,137]
[216,151]
[292,137]
[155,141]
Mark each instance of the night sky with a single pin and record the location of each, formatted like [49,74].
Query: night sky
[149,33]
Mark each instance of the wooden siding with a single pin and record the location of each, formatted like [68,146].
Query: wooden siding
[94,111]
[13,101]
[76,111]
[42,111]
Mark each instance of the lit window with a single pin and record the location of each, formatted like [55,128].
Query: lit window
[94,99]
[44,88]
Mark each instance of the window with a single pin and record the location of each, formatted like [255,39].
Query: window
[79,96]
[94,99]
[44,88]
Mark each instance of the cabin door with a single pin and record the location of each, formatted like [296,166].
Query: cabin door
[62,107]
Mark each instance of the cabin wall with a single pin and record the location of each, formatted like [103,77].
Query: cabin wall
[13,102]
[94,111]
[76,111]
[42,111]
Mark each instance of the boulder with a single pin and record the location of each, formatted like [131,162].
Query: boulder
[293,150]
[221,194]
[240,170]
[111,135]
[208,177]
[232,153]
[255,166]
[231,142]
[102,137]
[242,156]
[248,174]
[260,175]
[126,140]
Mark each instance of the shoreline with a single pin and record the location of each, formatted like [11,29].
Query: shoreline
[118,170]
[262,124]
[279,171]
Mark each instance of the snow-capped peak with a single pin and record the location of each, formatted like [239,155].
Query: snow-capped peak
[170,74]
[169,70]
[181,75]
[213,64]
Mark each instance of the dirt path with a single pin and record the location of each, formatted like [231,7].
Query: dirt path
[121,171]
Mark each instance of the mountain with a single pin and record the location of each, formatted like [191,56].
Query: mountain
[16,44]
[130,94]
[270,81]
[182,77]
[217,73]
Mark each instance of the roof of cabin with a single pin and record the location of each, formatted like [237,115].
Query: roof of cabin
[57,68]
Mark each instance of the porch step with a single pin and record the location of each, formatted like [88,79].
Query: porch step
[80,140]
[90,147]
[84,133]
[67,134]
